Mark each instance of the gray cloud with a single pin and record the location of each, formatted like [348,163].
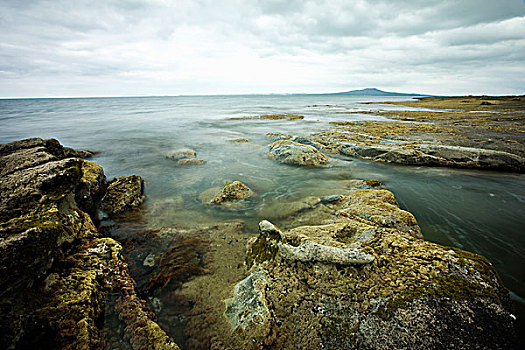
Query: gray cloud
[142,47]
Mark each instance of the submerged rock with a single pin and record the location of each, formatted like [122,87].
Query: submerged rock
[181,153]
[232,191]
[276,136]
[191,161]
[241,140]
[123,193]
[289,152]
[185,157]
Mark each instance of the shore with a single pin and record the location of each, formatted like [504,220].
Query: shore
[346,268]
[465,132]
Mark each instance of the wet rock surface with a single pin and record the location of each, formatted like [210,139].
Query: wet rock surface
[57,270]
[358,282]
[347,271]
[294,153]
[230,195]
[459,132]
[185,157]
[343,270]
[123,193]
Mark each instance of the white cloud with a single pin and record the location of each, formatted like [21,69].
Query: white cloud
[152,47]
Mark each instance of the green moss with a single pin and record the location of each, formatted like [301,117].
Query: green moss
[45,220]
[336,330]
[480,263]
[264,248]
[451,286]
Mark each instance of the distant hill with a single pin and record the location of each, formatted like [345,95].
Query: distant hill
[374,92]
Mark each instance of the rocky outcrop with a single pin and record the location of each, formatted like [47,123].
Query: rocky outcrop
[294,153]
[446,131]
[437,155]
[57,270]
[344,278]
[123,193]
[232,191]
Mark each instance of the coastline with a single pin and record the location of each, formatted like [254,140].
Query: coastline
[356,241]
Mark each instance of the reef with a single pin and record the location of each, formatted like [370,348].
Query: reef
[57,269]
[465,132]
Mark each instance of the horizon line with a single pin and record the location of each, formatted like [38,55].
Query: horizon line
[253,94]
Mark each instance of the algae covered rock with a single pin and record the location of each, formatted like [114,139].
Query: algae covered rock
[232,191]
[359,283]
[289,152]
[56,269]
[123,193]
[190,161]
[92,187]
[276,136]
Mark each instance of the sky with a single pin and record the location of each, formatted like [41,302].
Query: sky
[65,48]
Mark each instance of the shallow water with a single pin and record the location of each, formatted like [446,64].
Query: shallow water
[475,210]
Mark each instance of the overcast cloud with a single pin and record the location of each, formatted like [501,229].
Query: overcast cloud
[169,47]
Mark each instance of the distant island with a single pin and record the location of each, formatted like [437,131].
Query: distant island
[374,92]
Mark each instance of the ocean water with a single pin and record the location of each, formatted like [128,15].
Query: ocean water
[479,211]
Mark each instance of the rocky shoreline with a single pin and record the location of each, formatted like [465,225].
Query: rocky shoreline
[348,270]
[463,132]
[57,269]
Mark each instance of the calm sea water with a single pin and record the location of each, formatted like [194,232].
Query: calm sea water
[479,211]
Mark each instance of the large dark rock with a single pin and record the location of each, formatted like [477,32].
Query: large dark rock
[56,269]
[123,194]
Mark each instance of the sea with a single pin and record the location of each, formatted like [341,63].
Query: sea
[479,211]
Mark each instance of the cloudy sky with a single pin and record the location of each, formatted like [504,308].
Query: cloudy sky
[170,47]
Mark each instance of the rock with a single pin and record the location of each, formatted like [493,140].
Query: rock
[72,153]
[92,188]
[124,193]
[56,269]
[185,157]
[36,188]
[305,141]
[357,283]
[276,136]
[232,191]
[241,140]
[438,155]
[294,153]
[190,161]
[271,117]
[181,153]
[247,305]
[463,134]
